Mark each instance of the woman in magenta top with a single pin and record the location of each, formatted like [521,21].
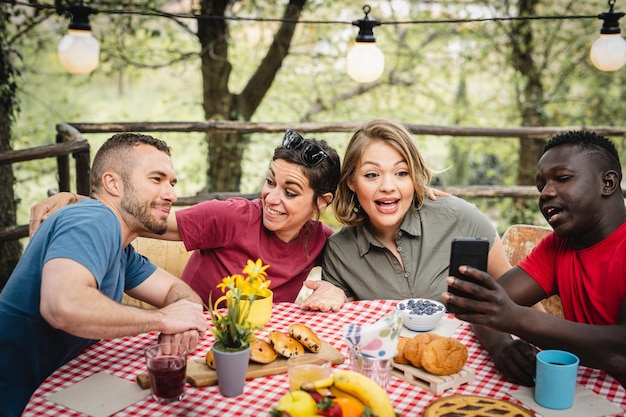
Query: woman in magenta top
[282,227]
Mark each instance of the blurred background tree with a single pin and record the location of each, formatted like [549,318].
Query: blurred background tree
[168,61]
[9,251]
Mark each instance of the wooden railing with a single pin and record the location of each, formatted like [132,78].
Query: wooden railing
[70,141]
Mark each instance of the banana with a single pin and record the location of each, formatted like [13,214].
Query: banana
[365,390]
[336,392]
[353,384]
[320,384]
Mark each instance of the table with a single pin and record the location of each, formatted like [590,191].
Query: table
[124,358]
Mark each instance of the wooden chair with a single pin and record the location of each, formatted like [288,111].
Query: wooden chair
[518,241]
[169,255]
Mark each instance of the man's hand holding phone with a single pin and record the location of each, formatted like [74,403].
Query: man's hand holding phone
[469,252]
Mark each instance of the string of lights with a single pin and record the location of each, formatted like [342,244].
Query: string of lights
[79,50]
[195,16]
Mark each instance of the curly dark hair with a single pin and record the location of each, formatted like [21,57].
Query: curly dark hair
[323,177]
[601,148]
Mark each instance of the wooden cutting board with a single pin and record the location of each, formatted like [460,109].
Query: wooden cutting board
[200,375]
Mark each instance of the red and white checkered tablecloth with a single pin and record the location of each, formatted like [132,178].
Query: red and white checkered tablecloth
[124,358]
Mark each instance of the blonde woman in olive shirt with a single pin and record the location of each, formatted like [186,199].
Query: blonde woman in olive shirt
[396,242]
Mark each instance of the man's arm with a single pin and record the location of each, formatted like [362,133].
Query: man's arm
[70,301]
[502,308]
[162,288]
[44,209]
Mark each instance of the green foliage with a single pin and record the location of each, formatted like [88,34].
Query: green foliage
[481,161]
[436,74]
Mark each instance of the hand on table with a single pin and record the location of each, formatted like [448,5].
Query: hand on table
[516,361]
[189,339]
[183,322]
[325,297]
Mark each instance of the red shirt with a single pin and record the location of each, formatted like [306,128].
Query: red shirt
[591,282]
[225,234]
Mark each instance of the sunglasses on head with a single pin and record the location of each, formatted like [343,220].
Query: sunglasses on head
[311,154]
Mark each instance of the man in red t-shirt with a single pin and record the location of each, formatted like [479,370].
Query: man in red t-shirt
[583,261]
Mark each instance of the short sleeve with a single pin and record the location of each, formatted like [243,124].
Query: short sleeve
[138,268]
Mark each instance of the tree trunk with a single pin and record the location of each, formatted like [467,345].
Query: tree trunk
[9,251]
[225,150]
[531,102]
[531,92]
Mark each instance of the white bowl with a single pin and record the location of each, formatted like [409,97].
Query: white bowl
[420,314]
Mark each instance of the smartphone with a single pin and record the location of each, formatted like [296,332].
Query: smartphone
[466,251]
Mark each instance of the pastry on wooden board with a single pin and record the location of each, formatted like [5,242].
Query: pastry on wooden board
[435,354]
[261,351]
[285,345]
[303,334]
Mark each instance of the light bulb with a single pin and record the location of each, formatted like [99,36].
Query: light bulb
[79,52]
[608,52]
[365,62]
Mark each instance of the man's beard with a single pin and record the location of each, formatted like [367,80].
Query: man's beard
[141,212]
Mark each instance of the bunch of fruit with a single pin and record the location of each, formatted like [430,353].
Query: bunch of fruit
[346,394]
[421,307]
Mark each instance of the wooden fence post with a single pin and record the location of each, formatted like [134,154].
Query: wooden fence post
[68,133]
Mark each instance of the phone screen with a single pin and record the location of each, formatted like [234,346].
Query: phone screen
[466,251]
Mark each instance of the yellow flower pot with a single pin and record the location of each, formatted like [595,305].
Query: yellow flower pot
[261,310]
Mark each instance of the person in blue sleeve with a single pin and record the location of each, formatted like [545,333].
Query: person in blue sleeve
[65,292]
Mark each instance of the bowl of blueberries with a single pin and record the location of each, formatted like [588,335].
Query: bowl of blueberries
[420,314]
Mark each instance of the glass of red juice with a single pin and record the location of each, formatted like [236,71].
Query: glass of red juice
[167,363]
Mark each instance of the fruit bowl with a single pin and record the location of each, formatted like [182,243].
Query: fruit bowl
[420,314]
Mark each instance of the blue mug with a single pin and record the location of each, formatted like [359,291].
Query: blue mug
[555,379]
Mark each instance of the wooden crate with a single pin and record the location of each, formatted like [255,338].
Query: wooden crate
[436,384]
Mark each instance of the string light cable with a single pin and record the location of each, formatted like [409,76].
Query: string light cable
[194,16]
[607,54]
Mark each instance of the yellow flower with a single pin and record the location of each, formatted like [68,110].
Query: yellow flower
[256,269]
[232,328]
[226,283]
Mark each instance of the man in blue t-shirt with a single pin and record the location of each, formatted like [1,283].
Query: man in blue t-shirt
[65,291]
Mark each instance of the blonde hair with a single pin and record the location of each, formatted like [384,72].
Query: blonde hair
[346,205]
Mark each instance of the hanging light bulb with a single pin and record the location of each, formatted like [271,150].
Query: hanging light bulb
[365,61]
[608,52]
[78,49]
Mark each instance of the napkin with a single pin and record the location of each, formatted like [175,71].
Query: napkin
[586,404]
[378,340]
[100,395]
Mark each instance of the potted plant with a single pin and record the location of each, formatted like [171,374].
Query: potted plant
[233,329]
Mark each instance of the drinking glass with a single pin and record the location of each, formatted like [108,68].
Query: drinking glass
[306,368]
[377,369]
[167,364]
